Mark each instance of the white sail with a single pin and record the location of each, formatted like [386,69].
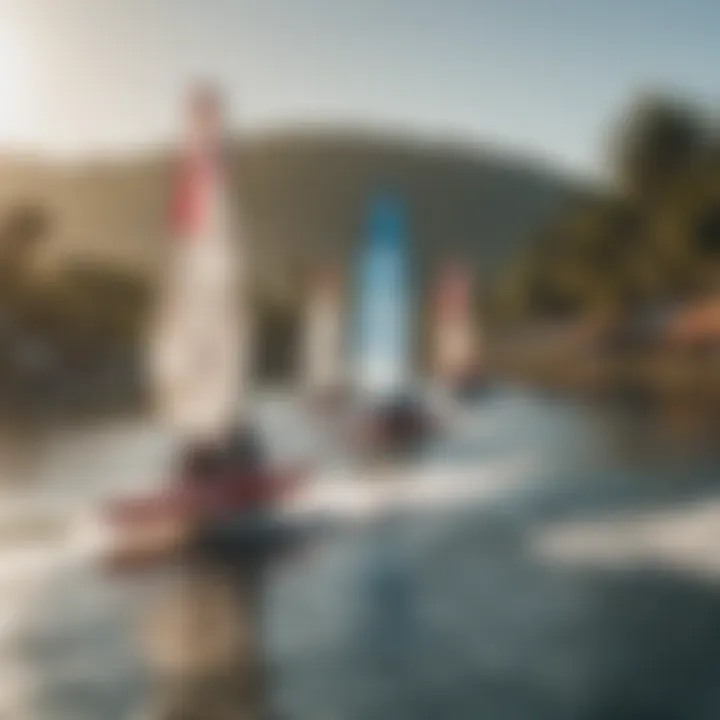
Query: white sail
[322,352]
[199,360]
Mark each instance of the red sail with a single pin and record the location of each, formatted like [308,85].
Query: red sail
[190,197]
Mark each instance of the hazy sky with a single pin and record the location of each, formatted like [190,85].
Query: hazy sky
[539,76]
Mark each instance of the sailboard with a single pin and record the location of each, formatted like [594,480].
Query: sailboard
[456,344]
[383,324]
[322,361]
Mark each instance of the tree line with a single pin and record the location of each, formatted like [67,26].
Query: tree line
[648,238]
[71,341]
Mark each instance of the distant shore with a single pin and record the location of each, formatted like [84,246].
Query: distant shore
[652,375]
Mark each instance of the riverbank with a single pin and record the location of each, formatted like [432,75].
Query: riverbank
[649,375]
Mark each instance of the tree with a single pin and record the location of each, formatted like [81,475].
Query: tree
[655,141]
[653,238]
[21,231]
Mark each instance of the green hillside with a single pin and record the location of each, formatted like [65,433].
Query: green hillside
[304,198]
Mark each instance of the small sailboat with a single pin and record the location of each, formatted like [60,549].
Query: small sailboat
[323,367]
[200,364]
[383,342]
[455,337]
[197,361]
[394,417]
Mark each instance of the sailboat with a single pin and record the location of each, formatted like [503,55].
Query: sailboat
[199,362]
[393,417]
[383,339]
[455,338]
[197,366]
[323,367]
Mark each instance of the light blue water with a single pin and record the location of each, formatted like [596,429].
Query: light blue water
[445,612]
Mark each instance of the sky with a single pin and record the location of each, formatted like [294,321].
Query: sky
[537,77]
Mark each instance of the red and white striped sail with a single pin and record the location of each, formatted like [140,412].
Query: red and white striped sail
[454,338]
[199,357]
[322,352]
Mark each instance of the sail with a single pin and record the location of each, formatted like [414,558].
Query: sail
[322,362]
[454,338]
[383,347]
[199,359]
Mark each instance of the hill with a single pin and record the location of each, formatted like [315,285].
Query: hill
[304,198]
[305,195]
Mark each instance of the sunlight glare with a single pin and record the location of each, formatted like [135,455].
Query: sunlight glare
[13,80]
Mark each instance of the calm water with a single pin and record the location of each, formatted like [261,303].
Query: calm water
[455,612]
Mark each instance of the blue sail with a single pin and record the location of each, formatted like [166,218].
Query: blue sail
[383,347]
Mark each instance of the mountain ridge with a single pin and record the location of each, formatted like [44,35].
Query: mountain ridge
[306,193]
